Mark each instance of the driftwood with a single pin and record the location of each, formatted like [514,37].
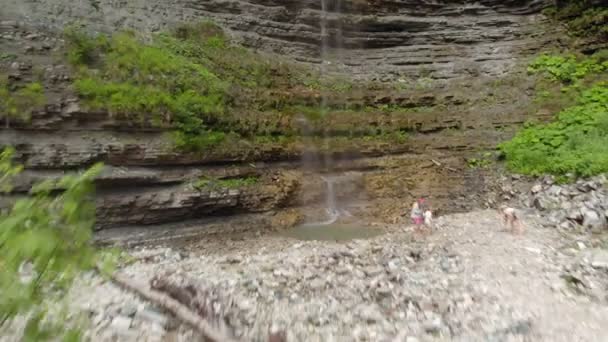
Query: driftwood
[206,304]
[441,165]
[179,310]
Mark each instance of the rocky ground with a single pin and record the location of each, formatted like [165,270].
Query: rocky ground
[470,280]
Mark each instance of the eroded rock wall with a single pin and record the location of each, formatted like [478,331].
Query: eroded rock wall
[148,182]
[375,39]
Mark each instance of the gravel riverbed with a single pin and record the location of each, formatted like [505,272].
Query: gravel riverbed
[467,281]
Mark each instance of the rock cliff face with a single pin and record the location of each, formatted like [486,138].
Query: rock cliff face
[471,51]
[380,39]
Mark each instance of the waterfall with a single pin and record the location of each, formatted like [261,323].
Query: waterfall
[332,209]
[310,157]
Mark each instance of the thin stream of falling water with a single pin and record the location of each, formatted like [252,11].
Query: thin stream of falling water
[333,212]
[325,45]
[310,159]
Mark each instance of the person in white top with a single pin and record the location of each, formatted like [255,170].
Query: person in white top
[511,219]
[428,219]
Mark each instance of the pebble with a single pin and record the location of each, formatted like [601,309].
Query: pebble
[432,326]
[129,310]
[316,291]
[152,316]
[121,324]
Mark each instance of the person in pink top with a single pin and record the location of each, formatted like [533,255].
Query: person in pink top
[417,215]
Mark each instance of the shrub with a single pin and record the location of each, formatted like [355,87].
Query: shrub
[49,233]
[230,183]
[583,18]
[19,104]
[147,83]
[574,143]
[569,68]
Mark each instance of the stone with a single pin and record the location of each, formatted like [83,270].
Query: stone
[72,108]
[574,215]
[8,24]
[121,324]
[592,220]
[541,203]
[372,271]
[128,310]
[152,316]
[554,190]
[432,326]
[157,330]
[383,291]
[586,186]
[369,313]
[599,259]
[536,188]
[556,217]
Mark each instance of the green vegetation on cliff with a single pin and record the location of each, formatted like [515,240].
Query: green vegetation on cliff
[576,141]
[149,84]
[18,104]
[229,183]
[583,18]
[211,93]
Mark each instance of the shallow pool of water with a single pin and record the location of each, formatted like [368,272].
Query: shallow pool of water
[331,232]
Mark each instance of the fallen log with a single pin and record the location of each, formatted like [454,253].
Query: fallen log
[207,304]
[180,311]
[211,305]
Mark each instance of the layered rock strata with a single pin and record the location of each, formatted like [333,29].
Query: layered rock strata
[148,182]
[373,39]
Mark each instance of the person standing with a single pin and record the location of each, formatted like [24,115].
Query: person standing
[417,215]
[428,219]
